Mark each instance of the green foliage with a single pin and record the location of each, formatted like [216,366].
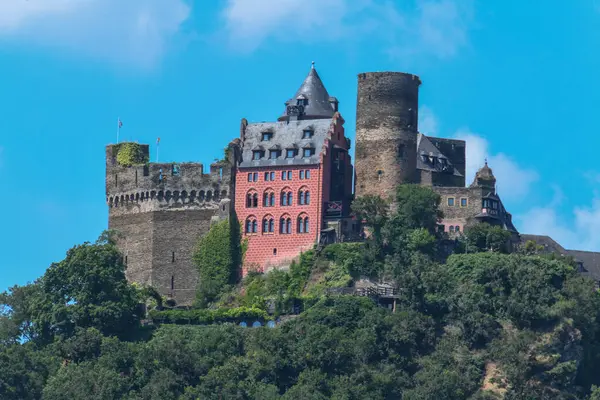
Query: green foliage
[130,153]
[204,316]
[217,257]
[484,325]
[485,237]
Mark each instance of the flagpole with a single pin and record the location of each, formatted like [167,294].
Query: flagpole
[157,148]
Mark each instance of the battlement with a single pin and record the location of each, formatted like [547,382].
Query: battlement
[128,181]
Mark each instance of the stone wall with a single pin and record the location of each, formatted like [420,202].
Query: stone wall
[459,215]
[386,132]
[161,210]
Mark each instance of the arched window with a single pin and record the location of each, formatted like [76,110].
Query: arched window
[285,225]
[252,200]
[451,228]
[457,229]
[251,225]
[307,197]
[268,198]
[301,197]
[286,197]
[268,224]
[304,196]
[302,225]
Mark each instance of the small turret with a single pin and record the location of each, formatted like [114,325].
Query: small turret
[485,178]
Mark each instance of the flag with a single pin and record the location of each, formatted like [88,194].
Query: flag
[120,123]
[157,141]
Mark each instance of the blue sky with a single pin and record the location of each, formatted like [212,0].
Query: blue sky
[517,79]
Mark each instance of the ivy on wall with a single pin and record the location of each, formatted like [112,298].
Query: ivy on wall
[217,257]
[129,154]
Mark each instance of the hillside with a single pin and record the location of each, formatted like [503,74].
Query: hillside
[481,324]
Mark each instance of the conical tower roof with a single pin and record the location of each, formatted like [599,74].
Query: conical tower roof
[311,101]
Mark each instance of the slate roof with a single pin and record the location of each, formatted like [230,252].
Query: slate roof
[286,135]
[590,260]
[424,146]
[319,101]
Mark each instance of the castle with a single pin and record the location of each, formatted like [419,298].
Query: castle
[290,184]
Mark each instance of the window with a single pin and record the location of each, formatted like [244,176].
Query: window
[290,153]
[285,225]
[457,228]
[289,175]
[302,174]
[304,197]
[267,176]
[273,154]
[307,152]
[255,176]
[252,200]
[283,175]
[268,199]
[266,136]
[450,201]
[303,225]
[251,225]
[268,225]
[307,134]
[250,177]
[307,174]
[463,202]
[257,154]
[451,228]
[286,199]
[272,176]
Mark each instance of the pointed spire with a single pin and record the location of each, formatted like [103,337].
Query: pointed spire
[311,101]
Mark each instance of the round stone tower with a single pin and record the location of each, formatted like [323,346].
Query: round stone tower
[386,132]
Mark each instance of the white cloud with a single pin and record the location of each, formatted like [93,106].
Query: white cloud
[578,231]
[432,27]
[132,31]
[428,123]
[514,181]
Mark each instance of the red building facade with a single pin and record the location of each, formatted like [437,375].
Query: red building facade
[294,178]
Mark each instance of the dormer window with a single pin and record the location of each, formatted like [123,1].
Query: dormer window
[290,153]
[257,154]
[302,101]
[273,154]
[307,134]
[307,152]
[266,136]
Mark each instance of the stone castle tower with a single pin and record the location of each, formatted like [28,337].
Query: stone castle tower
[160,210]
[386,132]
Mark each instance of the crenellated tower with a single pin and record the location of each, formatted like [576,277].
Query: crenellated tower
[386,131]
[161,210]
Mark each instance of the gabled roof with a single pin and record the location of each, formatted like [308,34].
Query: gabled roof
[425,147]
[319,102]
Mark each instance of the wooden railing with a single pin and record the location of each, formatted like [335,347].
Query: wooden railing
[377,291]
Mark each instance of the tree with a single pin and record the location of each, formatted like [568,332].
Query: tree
[217,257]
[417,207]
[486,237]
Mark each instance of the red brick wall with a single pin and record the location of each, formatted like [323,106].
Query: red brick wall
[261,245]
